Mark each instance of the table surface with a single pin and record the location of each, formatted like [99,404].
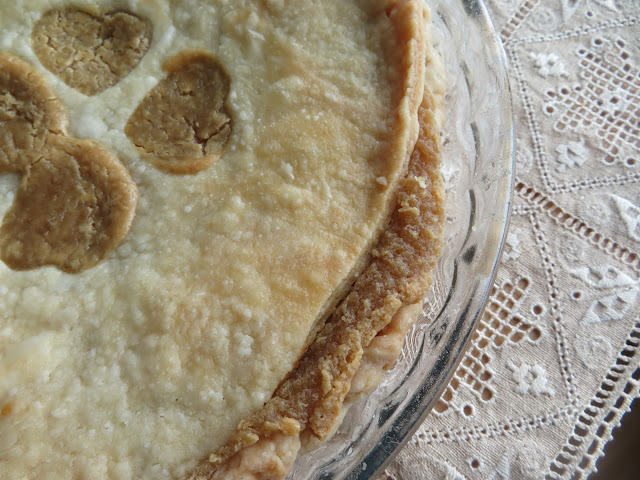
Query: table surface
[554,363]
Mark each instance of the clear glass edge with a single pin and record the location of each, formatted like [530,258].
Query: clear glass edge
[358,462]
[378,457]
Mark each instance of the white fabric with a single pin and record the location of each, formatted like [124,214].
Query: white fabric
[555,362]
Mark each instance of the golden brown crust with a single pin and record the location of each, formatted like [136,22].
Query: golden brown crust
[76,201]
[182,125]
[90,51]
[327,386]
[398,274]
[29,112]
[409,51]
[74,205]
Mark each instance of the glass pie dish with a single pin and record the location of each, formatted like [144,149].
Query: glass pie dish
[478,169]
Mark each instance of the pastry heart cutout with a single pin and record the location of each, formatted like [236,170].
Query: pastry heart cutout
[187,113]
[90,51]
[76,201]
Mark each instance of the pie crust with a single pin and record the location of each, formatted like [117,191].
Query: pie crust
[361,339]
[266,274]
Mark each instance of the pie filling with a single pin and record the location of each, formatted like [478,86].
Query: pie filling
[198,186]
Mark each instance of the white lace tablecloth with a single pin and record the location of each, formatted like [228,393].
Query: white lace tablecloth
[555,361]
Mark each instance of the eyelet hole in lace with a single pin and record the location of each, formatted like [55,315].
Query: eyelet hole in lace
[500,327]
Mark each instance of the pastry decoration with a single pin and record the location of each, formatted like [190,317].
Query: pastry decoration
[90,51]
[183,125]
[76,201]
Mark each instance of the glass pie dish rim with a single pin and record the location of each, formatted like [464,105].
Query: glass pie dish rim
[350,454]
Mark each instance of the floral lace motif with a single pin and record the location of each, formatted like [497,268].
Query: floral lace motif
[607,99]
[555,360]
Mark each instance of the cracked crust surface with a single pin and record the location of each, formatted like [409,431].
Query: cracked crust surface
[91,51]
[74,205]
[29,112]
[366,330]
[76,201]
[182,125]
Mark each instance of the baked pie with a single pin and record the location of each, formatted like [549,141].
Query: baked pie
[219,219]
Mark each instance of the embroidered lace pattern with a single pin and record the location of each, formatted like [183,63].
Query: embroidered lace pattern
[555,361]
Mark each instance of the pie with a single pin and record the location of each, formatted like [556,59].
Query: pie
[219,219]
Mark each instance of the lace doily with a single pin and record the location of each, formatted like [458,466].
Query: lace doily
[555,362]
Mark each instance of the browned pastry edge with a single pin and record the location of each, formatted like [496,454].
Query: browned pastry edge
[309,401]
